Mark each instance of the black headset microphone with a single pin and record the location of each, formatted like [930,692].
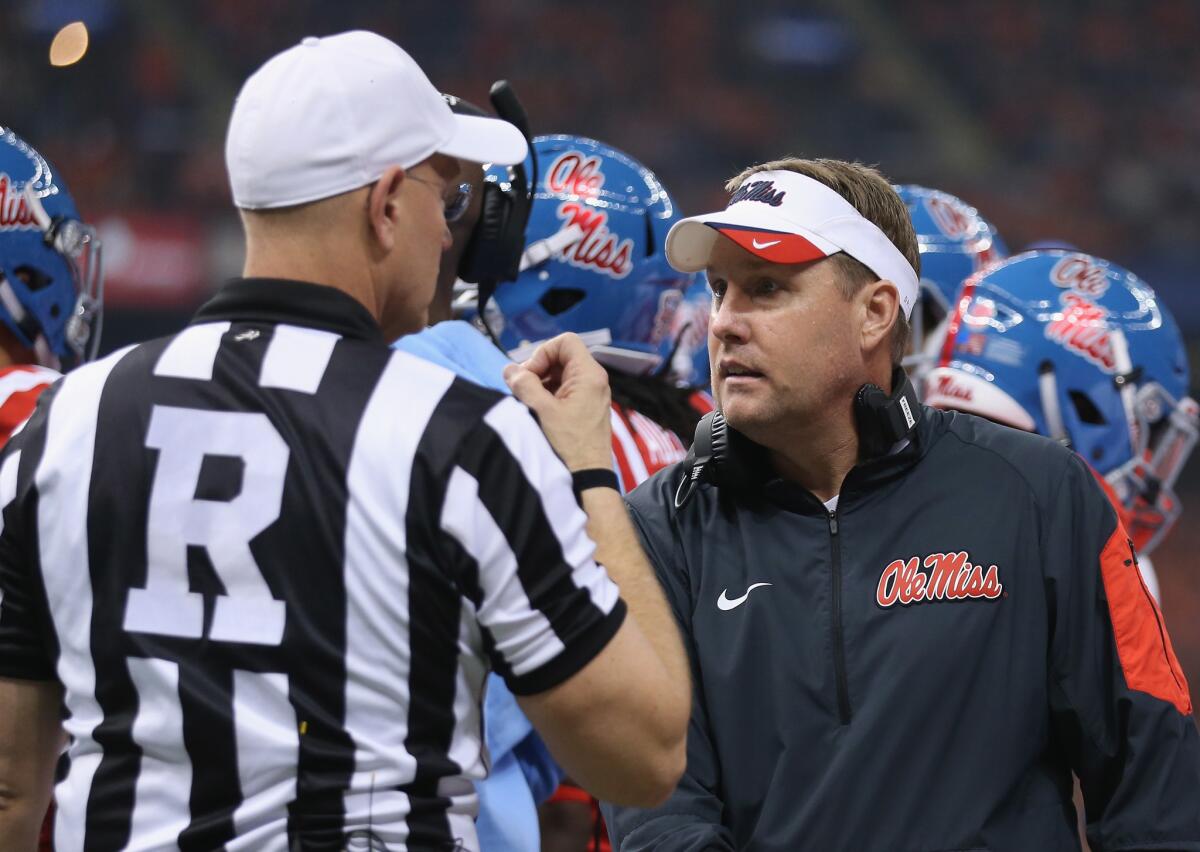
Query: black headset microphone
[720,455]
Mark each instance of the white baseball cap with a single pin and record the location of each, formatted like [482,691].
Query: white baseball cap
[331,114]
[786,217]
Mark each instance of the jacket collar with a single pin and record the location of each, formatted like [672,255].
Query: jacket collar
[867,476]
[276,300]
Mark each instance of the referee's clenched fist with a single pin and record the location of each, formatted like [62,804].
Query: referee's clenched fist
[568,390]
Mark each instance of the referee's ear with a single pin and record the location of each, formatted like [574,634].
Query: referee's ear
[383,207]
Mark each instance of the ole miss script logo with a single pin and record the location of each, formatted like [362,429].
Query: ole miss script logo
[15,214]
[1082,328]
[579,175]
[946,577]
[763,191]
[1081,273]
[952,217]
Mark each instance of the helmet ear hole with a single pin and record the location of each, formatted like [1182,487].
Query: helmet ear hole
[33,278]
[559,299]
[1086,410]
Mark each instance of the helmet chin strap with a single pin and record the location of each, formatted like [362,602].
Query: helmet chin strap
[1048,393]
[1125,381]
[539,251]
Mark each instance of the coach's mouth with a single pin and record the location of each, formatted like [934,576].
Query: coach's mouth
[729,368]
[735,374]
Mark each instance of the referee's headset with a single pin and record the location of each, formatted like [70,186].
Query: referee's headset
[722,456]
[493,252]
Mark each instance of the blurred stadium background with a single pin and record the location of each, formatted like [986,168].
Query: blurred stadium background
[1077,121]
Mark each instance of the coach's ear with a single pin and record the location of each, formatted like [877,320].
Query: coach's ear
[879,306]
[383,207]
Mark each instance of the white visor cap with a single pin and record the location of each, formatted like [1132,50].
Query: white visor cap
[785,217]
[332,114]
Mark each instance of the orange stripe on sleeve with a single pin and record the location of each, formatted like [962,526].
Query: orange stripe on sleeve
[1143,647]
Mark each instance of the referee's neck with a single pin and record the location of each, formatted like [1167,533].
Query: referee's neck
[316,249]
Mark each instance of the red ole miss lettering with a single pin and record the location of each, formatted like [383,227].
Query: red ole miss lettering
[1083,329]
[948,577]
[952,217]
[575,174]
[14,209]
[1081,273]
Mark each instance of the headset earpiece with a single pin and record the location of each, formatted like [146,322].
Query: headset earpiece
[707,454]
[885,420]
[493,253]
[720,456]
[484,259]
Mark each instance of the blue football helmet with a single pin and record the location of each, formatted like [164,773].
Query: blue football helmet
[682,321]
[594,261]
[1076,348]
[955,242]
[51,284]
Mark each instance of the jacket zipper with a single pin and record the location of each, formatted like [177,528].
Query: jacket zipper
[839,650]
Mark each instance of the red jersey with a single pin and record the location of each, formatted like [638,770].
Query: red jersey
[641,447]
[20,387]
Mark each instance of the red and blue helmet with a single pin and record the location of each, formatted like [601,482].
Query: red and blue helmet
[955,242]
[1076,348]
[51,285]
[594,261]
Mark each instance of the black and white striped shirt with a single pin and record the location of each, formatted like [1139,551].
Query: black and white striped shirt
[270,560]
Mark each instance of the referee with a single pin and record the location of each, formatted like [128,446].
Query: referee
[267,562]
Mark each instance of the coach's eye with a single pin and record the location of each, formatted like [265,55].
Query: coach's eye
[717,286]
[765,287]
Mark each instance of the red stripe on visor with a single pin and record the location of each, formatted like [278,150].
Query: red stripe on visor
[773,246]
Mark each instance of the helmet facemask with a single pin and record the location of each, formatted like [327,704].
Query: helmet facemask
[1166,430]
[80,248]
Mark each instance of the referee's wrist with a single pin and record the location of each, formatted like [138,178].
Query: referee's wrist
[594,477]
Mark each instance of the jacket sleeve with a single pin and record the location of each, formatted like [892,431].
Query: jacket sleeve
[1118,697]
[690,820]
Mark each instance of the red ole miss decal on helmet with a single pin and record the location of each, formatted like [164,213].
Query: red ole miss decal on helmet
[14,209]
[948,386]
[574,173]
[953,218]
[947,577]
[1080,273]
[1082,328]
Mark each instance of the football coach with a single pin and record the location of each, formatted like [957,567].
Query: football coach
[908,628]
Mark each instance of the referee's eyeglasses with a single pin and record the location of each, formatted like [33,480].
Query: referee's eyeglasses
[456,204]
